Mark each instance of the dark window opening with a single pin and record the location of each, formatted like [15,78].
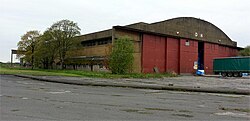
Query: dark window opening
[102,41]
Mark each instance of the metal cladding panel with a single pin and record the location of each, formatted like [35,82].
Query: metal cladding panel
[172,55]
[188,55]
[224,51]
[168,54]
[160,52]
[212,51]
[153,53]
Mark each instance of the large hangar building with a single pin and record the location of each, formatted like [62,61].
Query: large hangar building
[174,45]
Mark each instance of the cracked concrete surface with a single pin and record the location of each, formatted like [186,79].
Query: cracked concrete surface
[27,99]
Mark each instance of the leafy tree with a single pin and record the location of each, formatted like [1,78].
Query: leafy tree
[27,45]
[245,51]
[63,32]
[46,50]
[121,58]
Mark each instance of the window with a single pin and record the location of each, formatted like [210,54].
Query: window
[87,43]
[102,41]
[187,43]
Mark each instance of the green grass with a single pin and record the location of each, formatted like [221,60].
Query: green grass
[77,73]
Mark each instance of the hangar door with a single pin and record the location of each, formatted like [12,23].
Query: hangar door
[161,53]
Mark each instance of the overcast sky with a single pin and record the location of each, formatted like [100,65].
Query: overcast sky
[19,16]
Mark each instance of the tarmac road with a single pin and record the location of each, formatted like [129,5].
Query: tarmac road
[27,99]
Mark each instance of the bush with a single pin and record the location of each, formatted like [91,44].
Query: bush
[245,52]
[121,58]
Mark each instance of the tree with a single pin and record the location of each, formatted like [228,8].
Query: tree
[121,58]
[46,50]
[245,51]
[63,32]
[28,44]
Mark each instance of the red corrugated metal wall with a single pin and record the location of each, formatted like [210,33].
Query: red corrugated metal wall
[160,52]
[188,55]
[170,54]
[212,51]
[153,53]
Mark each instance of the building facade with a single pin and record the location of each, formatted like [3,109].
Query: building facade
[174,45]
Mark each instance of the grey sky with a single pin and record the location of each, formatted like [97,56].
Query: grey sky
[19,16]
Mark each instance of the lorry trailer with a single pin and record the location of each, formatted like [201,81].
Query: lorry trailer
[231,66]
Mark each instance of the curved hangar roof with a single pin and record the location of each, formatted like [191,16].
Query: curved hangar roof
[187,27]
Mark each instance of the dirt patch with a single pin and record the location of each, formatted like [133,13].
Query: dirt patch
[235,109]
[117,95]
[183,115]
[15,110]
[159,109]
[136,111]
[185,111]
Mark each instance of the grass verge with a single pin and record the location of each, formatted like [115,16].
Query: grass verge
[78,73]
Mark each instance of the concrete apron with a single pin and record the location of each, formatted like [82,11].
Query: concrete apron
[138,86]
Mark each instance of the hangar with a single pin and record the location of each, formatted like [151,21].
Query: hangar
[174,45]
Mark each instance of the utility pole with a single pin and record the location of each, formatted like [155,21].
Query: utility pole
[11,58]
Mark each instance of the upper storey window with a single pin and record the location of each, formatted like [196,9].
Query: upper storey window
[96,42]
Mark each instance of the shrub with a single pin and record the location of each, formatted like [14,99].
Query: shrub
[121,58]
